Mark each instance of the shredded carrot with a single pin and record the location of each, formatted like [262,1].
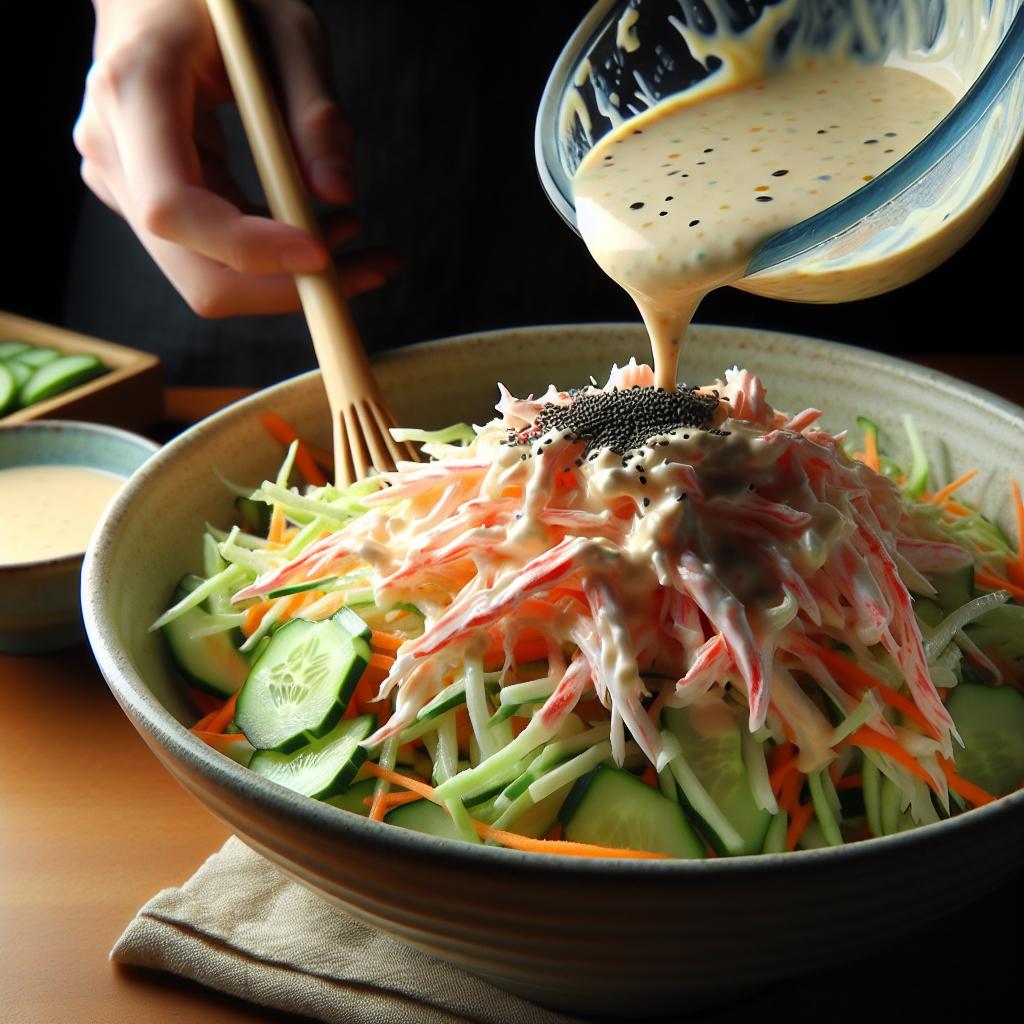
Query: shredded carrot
[254,616]
[381,661]
[385,641]
[650,776]
[221,719]
[1018,506]
[871,452]
[203,723]
[222,742]
[783,752]
[940,496]
[295,604]
[850,675]
[798,821]
[281,431]
[512,491]
[990,580]
[781,774]
[956,509]
[855,781]
[510,839]
[206,702]
[276,531]
[968,790]
[391,800]
[865,736]
[555,832]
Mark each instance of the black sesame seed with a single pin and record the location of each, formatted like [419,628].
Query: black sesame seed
[668,199]
[709,150]
[821,131]
[647,502]
[694,223]
[643,481]
[870,142]
[764,199]
[681,496]
[779,174]
[636,206]
[663,213]
[890,135]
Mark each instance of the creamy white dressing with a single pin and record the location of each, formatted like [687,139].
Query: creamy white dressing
[675,202]
[50,511]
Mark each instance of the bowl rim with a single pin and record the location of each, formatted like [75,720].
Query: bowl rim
[55,426]
[288,807]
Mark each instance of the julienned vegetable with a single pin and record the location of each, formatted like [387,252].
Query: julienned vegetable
[617,622]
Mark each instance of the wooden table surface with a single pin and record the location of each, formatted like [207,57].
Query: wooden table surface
[91,826]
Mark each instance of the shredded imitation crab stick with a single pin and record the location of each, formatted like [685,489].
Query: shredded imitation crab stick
[695,537]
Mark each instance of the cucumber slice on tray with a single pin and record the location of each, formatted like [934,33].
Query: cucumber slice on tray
[300,685]
[8,390]
[60,375]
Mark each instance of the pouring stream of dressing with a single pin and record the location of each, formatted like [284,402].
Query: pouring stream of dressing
[675,202]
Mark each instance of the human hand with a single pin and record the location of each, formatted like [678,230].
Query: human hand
[152,150]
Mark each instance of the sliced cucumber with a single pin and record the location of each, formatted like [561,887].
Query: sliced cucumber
[60,375]
[537,821]
[426,817]
[8,391]
[300,685]
[991,721]
[211,663]
[9,349]
[354,623]
[616,809]
[33,358]
[709,735]
[322,768]
[352,798]
[450,697]
[301,588]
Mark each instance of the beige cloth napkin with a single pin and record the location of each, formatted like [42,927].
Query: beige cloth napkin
[240,926]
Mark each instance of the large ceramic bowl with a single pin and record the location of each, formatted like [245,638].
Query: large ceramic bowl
[601,937]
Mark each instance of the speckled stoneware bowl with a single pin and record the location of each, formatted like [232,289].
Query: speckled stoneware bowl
[602,937]
[39,601]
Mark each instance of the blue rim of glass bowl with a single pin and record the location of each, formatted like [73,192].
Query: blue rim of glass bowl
[949,133]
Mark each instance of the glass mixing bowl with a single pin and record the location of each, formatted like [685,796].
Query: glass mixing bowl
[627,55]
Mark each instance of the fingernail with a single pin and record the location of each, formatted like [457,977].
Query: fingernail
[332,178]
[302,259]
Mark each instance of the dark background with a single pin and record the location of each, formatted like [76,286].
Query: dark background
[477,257]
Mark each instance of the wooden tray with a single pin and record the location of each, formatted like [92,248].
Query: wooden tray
[129,395]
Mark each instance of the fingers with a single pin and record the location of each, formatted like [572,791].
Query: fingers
[320,133]
[152,152]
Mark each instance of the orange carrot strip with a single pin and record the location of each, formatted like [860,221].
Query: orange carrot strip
[865,736]
[555,831]
[783,752]
[276,532]
[511,839]
[394,800]
[382,661]
[560,846]
[512,491]
[222,718]
[650,776]
[992,581]
[956,509]
[798,821]
[254,616]
[385,641]
[855,781]
[871,452]
[282,431]
[1018,506]
[780,775]
[850,675]
[206,702]
[940,496]
[203,722]
[968,790]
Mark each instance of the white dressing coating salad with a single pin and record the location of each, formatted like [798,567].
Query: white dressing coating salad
[543,605]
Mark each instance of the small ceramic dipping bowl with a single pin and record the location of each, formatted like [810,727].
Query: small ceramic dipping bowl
[40,605]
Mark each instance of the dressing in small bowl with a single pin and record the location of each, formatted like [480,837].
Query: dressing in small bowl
[56,479]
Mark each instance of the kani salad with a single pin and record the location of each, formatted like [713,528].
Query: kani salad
[618,622]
